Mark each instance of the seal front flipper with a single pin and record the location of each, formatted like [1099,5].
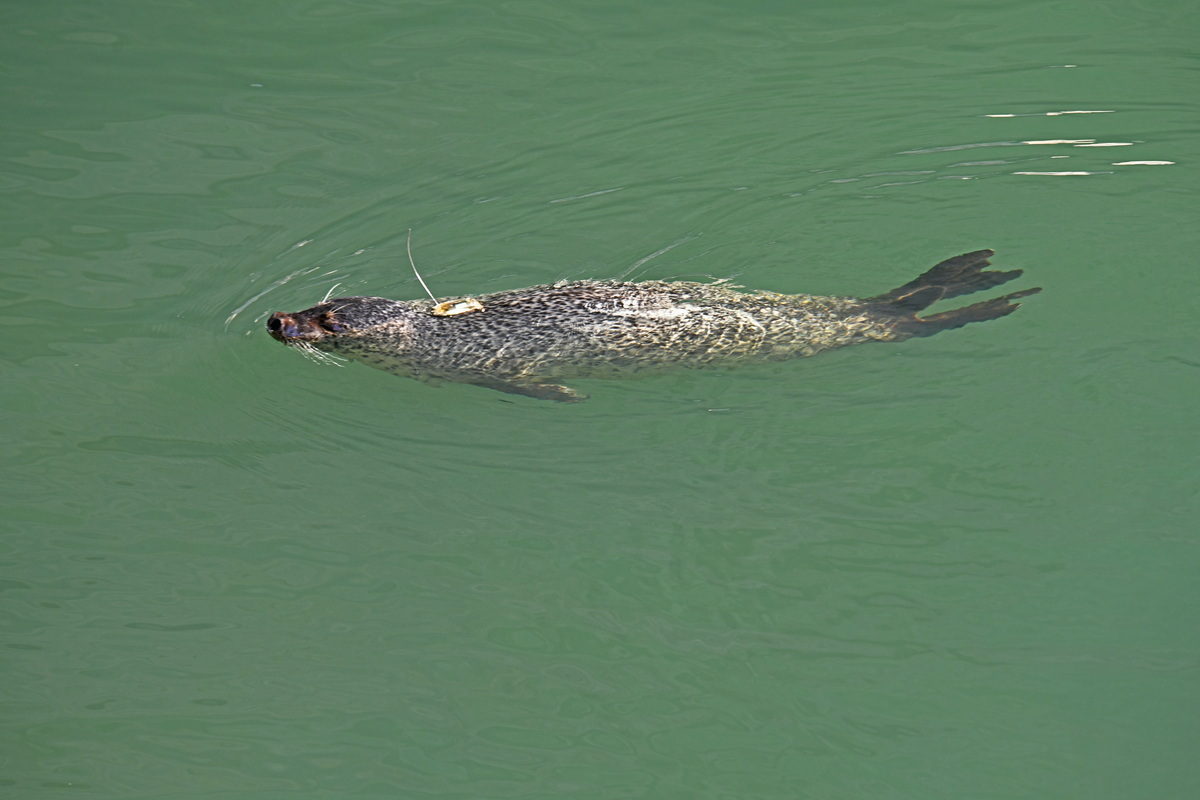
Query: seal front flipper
[542,391]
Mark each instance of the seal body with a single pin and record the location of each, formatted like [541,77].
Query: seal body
[527,341]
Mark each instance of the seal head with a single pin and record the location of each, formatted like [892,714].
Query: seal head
[342,315]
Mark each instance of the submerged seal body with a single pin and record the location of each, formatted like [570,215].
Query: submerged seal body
[527,341]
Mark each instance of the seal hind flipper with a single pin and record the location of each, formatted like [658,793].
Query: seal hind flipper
[978,312]
[918,300]
[953,277]
[956,276]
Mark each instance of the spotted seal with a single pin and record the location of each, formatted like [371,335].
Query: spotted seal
[526,341]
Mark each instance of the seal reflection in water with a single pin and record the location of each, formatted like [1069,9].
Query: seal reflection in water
[527,341]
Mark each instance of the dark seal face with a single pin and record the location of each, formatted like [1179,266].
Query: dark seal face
[304,326]
[342,316]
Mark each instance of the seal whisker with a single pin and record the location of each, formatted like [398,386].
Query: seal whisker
[318,356]
[408,246]
[329,294]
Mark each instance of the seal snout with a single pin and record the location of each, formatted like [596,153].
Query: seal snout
[282,326]
[311,325]
[289,328]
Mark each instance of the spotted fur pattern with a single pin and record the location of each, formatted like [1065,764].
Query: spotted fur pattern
[527,340]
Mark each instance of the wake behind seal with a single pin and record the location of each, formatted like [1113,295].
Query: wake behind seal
[529,341]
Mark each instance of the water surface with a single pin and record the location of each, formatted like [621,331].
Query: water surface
[961,567]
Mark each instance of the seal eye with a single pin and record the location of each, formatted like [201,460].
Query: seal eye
[328,323]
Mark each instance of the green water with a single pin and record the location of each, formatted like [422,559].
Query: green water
[960,567]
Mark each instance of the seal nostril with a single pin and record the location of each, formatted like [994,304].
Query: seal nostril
[282,326]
